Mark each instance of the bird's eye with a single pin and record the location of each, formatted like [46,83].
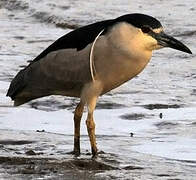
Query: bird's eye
[145,29]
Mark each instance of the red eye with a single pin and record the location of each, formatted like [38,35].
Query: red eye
[145,29]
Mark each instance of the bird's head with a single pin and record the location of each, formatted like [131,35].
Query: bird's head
[151,32]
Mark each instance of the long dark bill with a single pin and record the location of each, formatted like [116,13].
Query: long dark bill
[168,41]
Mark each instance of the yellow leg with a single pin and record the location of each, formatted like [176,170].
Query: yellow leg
[91,126]
[77,119]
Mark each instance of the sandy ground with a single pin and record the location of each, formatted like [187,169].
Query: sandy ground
[43,155]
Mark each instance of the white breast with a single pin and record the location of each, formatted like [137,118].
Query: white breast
[119,56]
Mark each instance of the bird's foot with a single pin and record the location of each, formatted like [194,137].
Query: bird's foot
[94,153]
[94,156]
[75,153]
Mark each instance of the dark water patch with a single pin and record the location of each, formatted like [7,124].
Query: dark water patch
[188,161]
[108,105]
[193,123]
[185,56]
[193,93]
[30,153]
[51,5]
[161,106]
[111,161]
[40,41]
[67,25]
[180,5]
[163,175]
[91,165]
[19,37]
[157,140]
[166,125]
[15,142]
[33,153]
[22,66]
[186,34]
[52,105]
[64,7]
[45,17]
[6,78]
[8,54]
[101,136]
[166,134]
[128,92]
[10,15]
[14,5]
[191,75]
[14,160]
[133,168]
[133,116]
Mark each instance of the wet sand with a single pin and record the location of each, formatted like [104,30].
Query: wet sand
[43,155]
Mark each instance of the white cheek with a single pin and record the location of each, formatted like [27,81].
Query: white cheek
[150,43]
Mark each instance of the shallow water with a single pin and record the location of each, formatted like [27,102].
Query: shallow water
[158,106]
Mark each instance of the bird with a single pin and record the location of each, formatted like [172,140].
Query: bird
[89,62]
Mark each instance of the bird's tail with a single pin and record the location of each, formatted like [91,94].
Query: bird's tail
[17,84]
[17,90]
[20,101]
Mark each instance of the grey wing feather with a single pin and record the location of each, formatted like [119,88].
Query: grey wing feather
[60,72]
[78,40]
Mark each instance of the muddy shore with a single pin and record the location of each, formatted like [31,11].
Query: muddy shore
[39,155]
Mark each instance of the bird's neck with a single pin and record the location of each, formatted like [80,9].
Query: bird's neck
[128,40]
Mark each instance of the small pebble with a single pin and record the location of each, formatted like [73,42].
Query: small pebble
[101,152]
[30,153]
[131,134]
[161,115]
[40,130]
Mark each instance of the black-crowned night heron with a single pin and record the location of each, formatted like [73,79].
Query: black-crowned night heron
[89,62]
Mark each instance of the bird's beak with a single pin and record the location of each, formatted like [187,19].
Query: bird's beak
[168,41]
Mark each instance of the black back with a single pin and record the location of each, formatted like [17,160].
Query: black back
[83,36]
[77,39]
